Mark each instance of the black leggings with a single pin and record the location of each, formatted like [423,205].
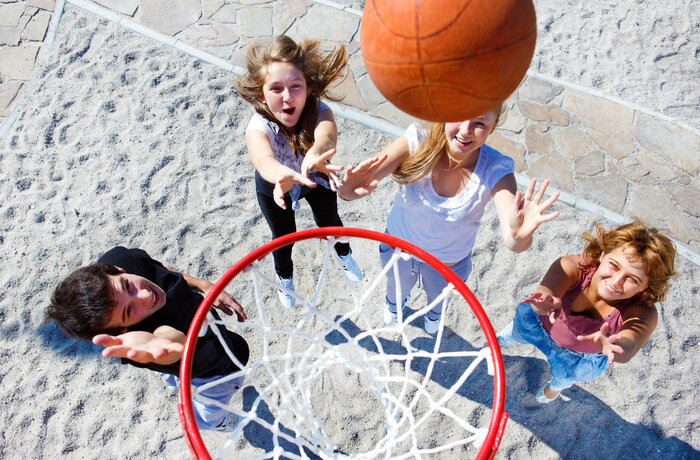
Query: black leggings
[324,207]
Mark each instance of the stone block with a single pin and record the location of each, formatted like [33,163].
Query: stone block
[11,14]
[351,93]
[538,90]
[515,150]
[17,62]
[227,14]
[654,207]
[47,5]
[9,35]
[282,19]
[572,141]
[297,7]
[127,7]
[545,113]
[680,146]
[169,16]
[555,168]
[255,21]
[326,23]
[8,93]
[356,63]
[36,28]
[686,197]
[209,7]
[656,166]
[589,164]
[370,93]
[610,144]
[539,140]
[513,121]
[632,170]
[608,191]
[390,113]
[604,116]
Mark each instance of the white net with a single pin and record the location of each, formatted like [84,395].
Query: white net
[329,379]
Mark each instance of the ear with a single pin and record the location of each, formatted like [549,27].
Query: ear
[120,269]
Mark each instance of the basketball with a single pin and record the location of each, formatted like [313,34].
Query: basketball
[447,60]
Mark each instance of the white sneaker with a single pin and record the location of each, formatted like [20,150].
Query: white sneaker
[286,299]
[389,316]
[431,325]
[229,423]
[351,267]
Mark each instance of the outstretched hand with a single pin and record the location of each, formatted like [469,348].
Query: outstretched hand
[544,304]
[359,180]
[227,304]
[164,346]
[284,184]
[321,163]
[526,214]
[607,344]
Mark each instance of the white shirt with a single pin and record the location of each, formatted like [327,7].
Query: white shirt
[446,227]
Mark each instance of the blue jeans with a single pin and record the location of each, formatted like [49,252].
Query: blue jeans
[566,366]
[409,271]
[208,416]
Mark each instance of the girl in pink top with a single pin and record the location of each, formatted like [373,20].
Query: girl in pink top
[595,308]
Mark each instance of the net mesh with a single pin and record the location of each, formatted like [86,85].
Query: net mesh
[330,379]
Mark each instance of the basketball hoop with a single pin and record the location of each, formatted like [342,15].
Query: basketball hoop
[336,334]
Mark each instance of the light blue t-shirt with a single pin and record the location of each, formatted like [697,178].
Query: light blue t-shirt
[446,227]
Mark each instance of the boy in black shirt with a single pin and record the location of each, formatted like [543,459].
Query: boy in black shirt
[140,311]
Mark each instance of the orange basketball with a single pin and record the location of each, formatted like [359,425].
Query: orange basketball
[447,60]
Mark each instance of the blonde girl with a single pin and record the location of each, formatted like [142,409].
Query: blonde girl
[448,175]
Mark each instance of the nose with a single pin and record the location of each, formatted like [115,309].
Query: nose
[618,280]
[286,95]
[465,128]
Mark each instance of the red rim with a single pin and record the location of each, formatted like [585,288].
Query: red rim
[189,424]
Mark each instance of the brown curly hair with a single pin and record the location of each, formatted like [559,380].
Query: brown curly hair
[319,69]
[656,251]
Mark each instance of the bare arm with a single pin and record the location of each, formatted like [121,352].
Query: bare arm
[163,346]
[520,215]
[562,274]
[325,141]
[225,302]
[362,179]
[638,323]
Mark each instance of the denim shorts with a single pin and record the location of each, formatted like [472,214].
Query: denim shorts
[566,366]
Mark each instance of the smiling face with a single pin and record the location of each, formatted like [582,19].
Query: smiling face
[465,137]
[620,275]
[285,92]
[135,298]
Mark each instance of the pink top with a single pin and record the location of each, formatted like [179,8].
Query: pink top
[568,325]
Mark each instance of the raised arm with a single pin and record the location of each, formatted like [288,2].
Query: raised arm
[359,181]
[163,346]
[520,215]
[318,156]
[638,323]
[225,302]
[270,169]
[562,274]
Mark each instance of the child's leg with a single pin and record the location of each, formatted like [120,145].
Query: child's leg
[434,283]
[408,276]
[324,206]
[568,367]
[281,222]
[209,415]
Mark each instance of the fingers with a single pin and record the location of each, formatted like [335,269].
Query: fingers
[530,189]
[116,351]
[106,340]
[540,192]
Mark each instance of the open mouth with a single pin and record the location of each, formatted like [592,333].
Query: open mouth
[289,111]
[462,142]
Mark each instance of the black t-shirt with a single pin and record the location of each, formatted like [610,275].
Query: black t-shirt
[181,304]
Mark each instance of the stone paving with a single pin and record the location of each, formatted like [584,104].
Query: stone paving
[606,157]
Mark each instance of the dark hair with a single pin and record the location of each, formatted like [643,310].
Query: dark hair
[320,71]
[82,303]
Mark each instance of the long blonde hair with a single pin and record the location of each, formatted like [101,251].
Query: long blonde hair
[319,69]
[431,150]
[647,245]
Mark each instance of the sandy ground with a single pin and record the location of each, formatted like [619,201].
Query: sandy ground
[122,141]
